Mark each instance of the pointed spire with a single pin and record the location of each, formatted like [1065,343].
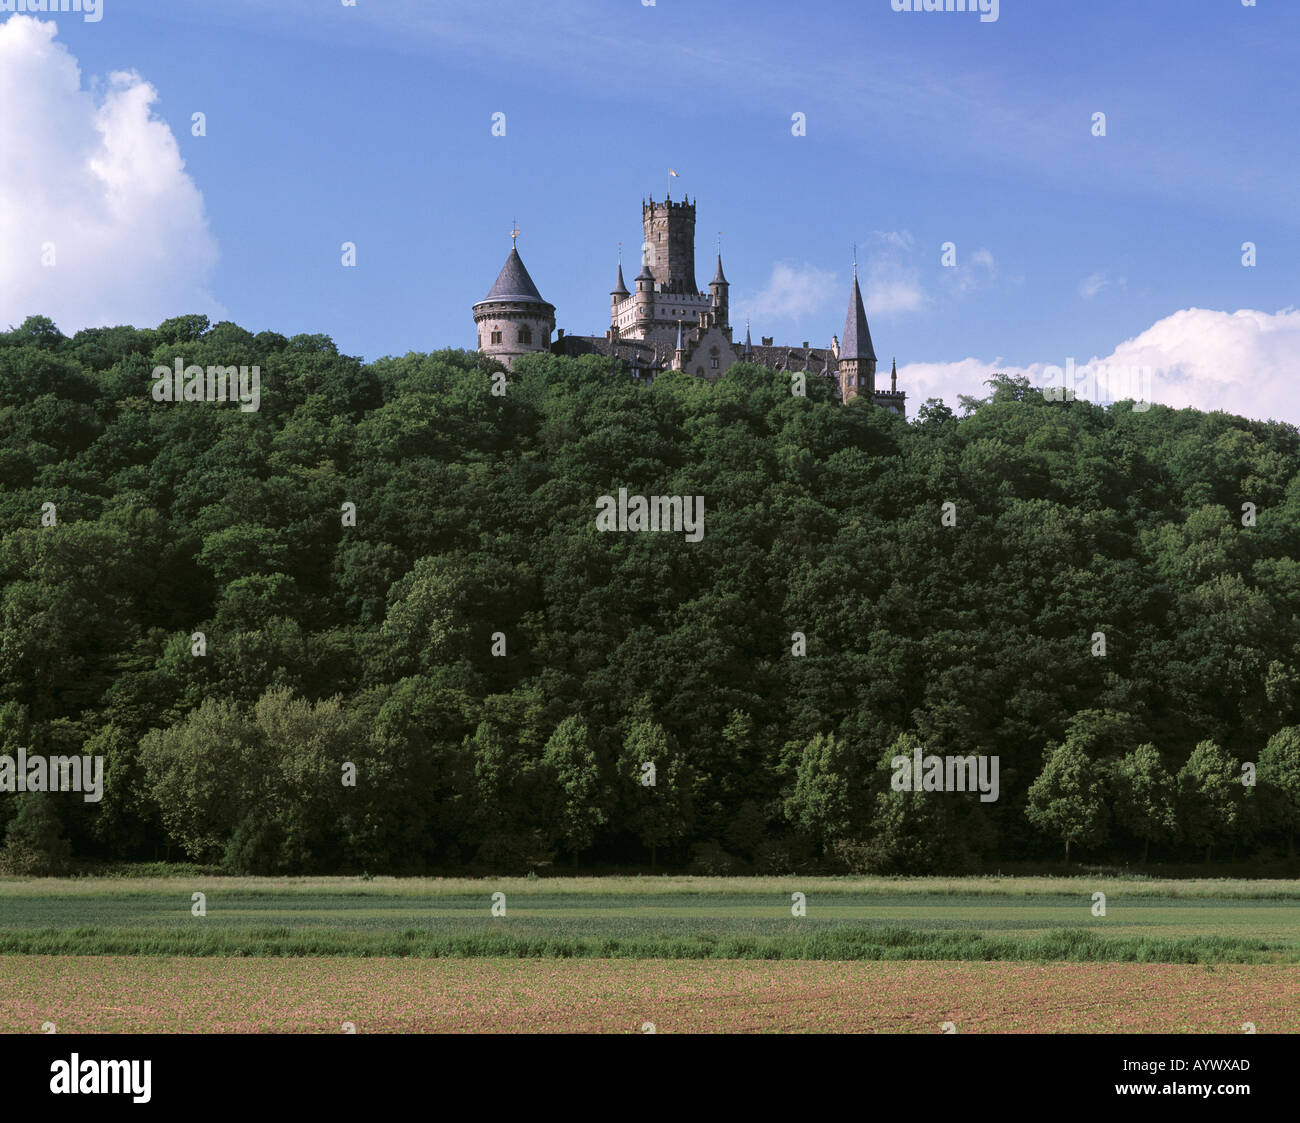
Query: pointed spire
[856,343]
[749,347]
[620,287]
[893,376]
[514,283]
[680,346]
[718,278]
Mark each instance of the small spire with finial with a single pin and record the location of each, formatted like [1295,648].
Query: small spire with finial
[855,259]
[514,232]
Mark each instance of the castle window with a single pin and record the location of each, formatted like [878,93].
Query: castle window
[525,334]
[496,337]
[713,363]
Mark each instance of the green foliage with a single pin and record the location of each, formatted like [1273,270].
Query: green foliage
[1067,800]
[34,845]
[475,517]
[1211,793]
[1145,803]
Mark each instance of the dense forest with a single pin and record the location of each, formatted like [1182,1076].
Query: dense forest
[468,675]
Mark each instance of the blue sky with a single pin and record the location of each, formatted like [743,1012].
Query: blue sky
[372,124]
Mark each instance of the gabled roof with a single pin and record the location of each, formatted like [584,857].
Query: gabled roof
[856,343]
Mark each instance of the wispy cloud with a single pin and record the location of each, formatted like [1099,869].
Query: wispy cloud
[793,292]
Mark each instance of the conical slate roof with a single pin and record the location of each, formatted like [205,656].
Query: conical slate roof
[718,278]
[514,283]
[856,343]
[619,289]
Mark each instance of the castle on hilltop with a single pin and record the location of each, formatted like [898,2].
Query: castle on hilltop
[667,323]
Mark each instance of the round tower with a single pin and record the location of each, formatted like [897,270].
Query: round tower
[718,288]
[644,299]
[857,357]
[513,319]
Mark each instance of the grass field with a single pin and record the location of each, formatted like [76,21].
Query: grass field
[978,919]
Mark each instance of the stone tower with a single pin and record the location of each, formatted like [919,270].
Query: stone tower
[513,319]
[669,250]
[857,358]
[718,288]
[617,295]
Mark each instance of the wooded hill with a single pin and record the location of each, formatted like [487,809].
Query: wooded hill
[475,532]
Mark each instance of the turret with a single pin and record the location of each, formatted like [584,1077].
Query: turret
[857,357]
[513,319]
[718,289]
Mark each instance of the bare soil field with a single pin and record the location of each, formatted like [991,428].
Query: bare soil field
[112,994]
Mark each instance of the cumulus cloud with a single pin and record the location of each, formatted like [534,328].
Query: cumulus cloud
[1245,362]
[99,222]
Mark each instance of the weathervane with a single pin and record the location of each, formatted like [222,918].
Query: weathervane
[514,232]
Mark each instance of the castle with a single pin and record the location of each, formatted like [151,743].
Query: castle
[667,323]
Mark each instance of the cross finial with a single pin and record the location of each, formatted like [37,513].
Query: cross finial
[620,254]
[855,259]
[719,243]
[514,232]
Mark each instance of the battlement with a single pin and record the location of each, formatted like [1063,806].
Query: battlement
[669,246]
[684,207]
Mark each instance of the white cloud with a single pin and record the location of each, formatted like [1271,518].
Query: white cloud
[95,179]
[792,292]
[1245,362]
[887,294]
[889,284]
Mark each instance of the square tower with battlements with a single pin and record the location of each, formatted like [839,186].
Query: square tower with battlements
[669,244]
